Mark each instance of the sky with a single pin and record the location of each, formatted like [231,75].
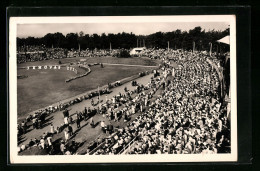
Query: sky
[39,30]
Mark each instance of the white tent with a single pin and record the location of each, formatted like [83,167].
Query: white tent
[136,51]
[224,40]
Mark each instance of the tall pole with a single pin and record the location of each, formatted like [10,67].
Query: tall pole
[168,45]
[110,47]
[193,47]
[143,42]
[210,50]
[79,47]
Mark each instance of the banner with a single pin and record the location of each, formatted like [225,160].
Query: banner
[44,67]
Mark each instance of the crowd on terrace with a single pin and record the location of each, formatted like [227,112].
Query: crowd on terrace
[39,53]
[188,116]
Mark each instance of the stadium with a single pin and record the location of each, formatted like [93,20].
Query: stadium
[153,94]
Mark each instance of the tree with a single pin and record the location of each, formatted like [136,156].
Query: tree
[58,40]
[72,41]
[177,38]
[48,40]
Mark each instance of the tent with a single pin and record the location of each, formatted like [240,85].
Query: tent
[224,40]
[136,51]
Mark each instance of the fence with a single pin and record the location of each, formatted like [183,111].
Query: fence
[127,147]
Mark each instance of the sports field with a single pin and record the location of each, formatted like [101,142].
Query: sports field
[45,87]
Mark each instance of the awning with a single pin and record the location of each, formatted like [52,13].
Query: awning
[224,40]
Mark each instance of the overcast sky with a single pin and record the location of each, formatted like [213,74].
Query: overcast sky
[39,30]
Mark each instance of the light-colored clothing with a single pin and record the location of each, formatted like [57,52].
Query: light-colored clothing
[66,135]
[49,141]
[66,120]
[52,129]
[42,143]
[102,124]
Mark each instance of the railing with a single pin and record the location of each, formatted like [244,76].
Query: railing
[127,147]
[216,68]
[100,145]
[220,75]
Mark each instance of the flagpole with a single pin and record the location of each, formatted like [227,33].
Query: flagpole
[210,50]
[193,46]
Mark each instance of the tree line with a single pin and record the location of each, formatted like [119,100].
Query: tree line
[177,40]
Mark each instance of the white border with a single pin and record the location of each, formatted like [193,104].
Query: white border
[14,158]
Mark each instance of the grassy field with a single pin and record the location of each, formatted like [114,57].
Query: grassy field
[45,87]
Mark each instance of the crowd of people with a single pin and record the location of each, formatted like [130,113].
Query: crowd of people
[93,53]
[189,116]
[112,109]
[39,53]
[115,143]
[24,124]
[37,120]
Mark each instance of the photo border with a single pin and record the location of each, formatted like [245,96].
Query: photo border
[242,14]
[15,158]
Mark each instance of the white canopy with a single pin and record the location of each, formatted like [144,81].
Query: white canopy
[136,51]
[224,40]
